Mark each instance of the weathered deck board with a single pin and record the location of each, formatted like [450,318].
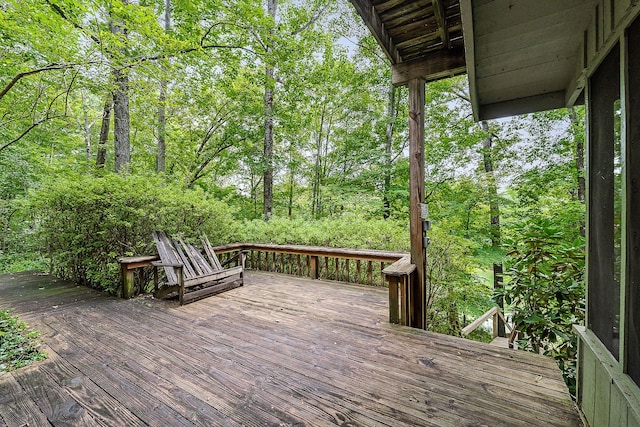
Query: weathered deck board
[278,351]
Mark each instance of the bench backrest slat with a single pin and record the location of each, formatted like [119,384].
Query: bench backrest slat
[213,258]
[167,255]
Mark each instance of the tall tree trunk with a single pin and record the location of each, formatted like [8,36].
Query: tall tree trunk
[272,7]
[388,143]
[316,179]
[162,102]
[101,157]
[292,181]
[87,128]
[579,159]
[121,121]
[494,210]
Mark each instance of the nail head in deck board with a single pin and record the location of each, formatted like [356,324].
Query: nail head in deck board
[297,350]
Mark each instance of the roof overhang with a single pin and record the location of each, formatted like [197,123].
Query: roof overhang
[520,56]
[523,56]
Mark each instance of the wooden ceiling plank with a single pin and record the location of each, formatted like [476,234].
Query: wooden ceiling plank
[512,38]
[438,10]
[383,6]
[407,9]
[410,30]
[425,38]
[372,20]
[438,64]
[507,13]
[544,52]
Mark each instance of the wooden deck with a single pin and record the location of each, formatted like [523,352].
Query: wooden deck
[280,351]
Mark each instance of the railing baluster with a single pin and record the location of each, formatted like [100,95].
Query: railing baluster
[358,271]
[346,268]
[370,273]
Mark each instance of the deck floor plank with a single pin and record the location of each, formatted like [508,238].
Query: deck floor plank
[281,350]
[17,409]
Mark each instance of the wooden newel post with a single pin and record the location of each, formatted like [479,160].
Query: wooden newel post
[313,267]
[416,197]
[127,281]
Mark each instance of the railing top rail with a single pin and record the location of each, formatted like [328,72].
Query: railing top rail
[362,254]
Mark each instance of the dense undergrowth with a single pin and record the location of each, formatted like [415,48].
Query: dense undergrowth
[19,345]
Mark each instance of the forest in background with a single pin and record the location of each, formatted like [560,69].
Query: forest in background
[274,121]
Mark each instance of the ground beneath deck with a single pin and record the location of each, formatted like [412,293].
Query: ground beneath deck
[278,351]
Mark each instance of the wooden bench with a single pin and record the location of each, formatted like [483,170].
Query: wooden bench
[192,273]
[399,275]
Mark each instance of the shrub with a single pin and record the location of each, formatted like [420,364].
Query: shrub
[346,231]
[18,345]
[85,224]
[546,292]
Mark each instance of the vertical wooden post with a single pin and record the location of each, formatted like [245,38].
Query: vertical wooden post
[416,198]
[155,278]
[393,299]
[180,276]
[631,289]
[313,267]
[127,281]
[404,312]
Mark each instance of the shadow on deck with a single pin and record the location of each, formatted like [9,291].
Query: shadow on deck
[278,351]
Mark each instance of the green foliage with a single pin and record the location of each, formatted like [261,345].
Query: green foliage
[452,287]
[347,231]
[18,344]
[85,223]
[546,291]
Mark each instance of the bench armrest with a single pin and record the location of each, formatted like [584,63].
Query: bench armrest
[164,264]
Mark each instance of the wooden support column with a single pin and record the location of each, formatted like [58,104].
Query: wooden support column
[313,267]
[631,292]
[416,197]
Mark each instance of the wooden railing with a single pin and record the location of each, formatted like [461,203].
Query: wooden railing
[495,314]
[401,277]
[345,265]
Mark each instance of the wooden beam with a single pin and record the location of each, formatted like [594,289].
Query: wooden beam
[438,11]
[436,65]
[514,107]
[631,355]
[372,20]
[466,13]
[416,198]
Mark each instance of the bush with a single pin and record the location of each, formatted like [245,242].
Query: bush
[18,345]
[85,224]
[18,248]
[547,292]
[346,231]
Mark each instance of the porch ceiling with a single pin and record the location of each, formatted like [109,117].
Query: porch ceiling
[520,56]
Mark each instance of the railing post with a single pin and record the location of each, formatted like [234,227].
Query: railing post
[127,281]
[313,267]
[404,307]
[393,299]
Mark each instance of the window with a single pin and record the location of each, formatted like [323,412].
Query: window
[605,202]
